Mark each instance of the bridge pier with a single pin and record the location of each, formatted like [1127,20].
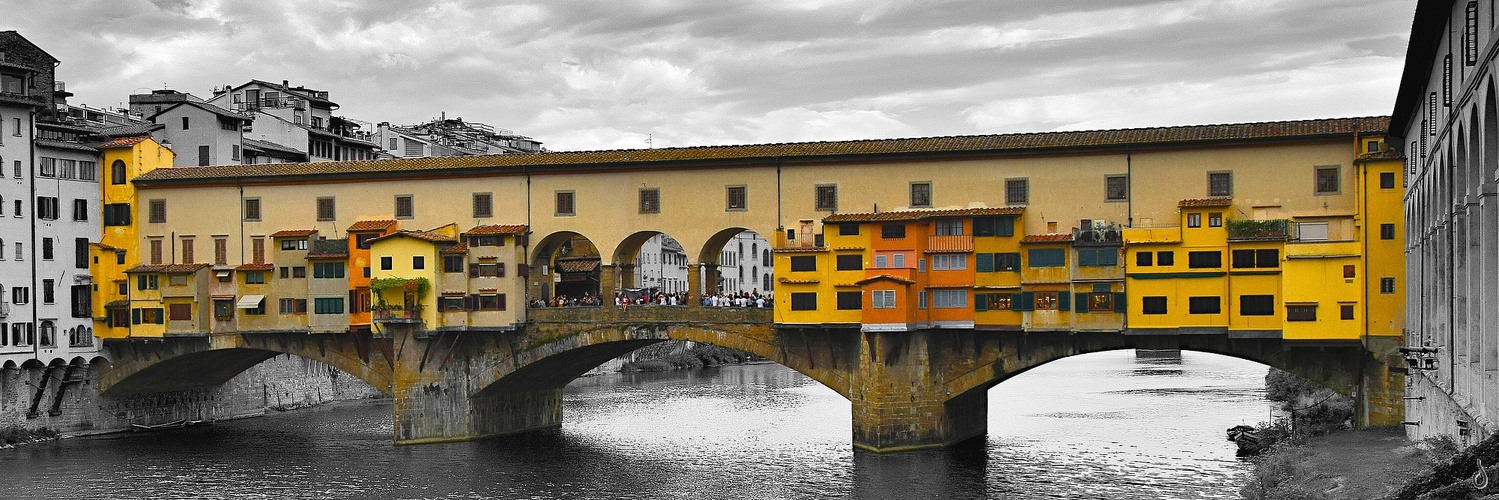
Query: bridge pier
[900,397]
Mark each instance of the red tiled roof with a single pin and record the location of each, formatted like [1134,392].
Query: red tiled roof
[632,158]
[255,267]
[796,282]
[922,214]
[1047,238]
[166,268]
[885,277]
[103,246]
[421,235]
[293,232]
[123,142]
[496,229]
[459,248]
[577,266]
[1206,202]
[800,249]
[371,225]
[328,255]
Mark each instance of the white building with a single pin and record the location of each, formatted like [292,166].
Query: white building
[744,265]
[661,264]
[67,207]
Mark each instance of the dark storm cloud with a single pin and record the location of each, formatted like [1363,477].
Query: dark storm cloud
[590,74]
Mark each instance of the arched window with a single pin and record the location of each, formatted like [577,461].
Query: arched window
[49,333]
[765,258]
[117,172]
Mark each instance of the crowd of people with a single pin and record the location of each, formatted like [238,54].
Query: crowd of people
[740,299]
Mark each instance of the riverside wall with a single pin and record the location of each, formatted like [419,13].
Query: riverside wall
[72,405]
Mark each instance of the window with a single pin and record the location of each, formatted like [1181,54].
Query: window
[994,226]
[418,262]
[492,302]
[1387,180]
[293,244]
[1143,259]
[325,208]
[893,231]
[1115,188]
[1046,301]
[650,200]
[334,270]
[565,204]
[1194,220]
[86,170]
[155,244]
[1386,231]
[1220,183]
[148,282]
[1046,257]
[1204,305]
[405,208]
[1470,35]
[1262,258]
[254,277]
[486,269]
[115,214]
[385,263]
[452,263]
[46,167]
[483,204]
[1017,191]
[301,272]
[20,295]
[185,123]
[49,291]
[1007,262]
[1327,180]
[179,312]
[738,198]
[827,196]
[804,263]
[1098,301]
[921,194]
[80,253]
[852,262]
[994,301]
[1204,260]
[1301,312]
[949,228]
[848,230]
[949,299]
[49,333]
[1387,285]
[851,300]
[949,262]
[882,299]
[80,210]
[46,207]
[1098,257]
[220,251]
[328,305]
[1349,271]
[205,158]
[804,301]
[881,261]
[1256,305]
[1153,305]
[1215,219]
[117,172]
[1311,231]
[47,249]
[293,306]
[1345,311]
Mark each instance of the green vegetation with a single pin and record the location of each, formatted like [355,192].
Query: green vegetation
[698,356]
[19,435]
[1239,228]
[1314,410]
[418,285]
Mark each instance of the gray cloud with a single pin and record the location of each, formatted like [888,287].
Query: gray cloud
[582,74]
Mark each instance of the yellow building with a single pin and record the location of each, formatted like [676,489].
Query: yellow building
[119,246]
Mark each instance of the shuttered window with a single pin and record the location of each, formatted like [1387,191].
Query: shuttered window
[1046,257]
[850,300]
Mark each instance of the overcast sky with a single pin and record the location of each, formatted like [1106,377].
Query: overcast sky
[608,74]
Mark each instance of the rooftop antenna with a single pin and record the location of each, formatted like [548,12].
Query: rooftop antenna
[648,143]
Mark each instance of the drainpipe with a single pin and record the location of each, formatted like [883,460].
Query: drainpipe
[1129,187]
[36,350]
[780,224]
[1451,297]
[241,188]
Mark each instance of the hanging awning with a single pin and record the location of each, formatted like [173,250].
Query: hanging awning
[250,301]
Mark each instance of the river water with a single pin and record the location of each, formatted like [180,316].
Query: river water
[1113,425]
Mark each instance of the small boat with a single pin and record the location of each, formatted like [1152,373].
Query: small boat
[1246,438]
[167,426]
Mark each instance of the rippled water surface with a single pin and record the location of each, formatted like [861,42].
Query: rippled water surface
[1108,425]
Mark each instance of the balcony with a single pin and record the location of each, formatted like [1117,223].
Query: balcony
[397,316]
[961,243]
[1097,235]
[1257,230]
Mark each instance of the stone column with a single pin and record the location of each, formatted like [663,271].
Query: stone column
[694,286]
[627,275]
[710,279]
[608,283]
[900,404]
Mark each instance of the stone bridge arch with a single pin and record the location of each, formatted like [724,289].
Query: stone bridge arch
[198,363]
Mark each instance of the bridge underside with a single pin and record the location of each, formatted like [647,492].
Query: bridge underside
[909,390]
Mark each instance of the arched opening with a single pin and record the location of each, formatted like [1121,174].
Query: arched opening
[566,270]
[737,269]
[653,269]
[212,368]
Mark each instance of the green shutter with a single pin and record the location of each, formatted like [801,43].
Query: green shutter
[1004,226]
[135,316]
[1087,257]
[160,318]
[1015,258]
[1028,301]
[1082,302]
[1119,301]
[980,302]
[1108,257]
[985,262]
[1064,299]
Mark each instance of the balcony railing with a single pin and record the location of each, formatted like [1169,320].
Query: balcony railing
[962,243]
[396,315]
[1109,235]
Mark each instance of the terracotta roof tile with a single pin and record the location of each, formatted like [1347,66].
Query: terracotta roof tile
[1206,202]
[796,282]
[577,266]
[633,158]
[800,249]
[255,267]
[885,277]
[327,255]
[166,268]
[1047,238]
[922,214]
[293,232]
[421,235]
[123,142]
[496,229]
[371,225]
[455,249]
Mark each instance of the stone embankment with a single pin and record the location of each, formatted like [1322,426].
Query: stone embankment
[35,405]
[673,355]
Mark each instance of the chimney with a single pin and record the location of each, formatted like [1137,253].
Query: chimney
[285,83]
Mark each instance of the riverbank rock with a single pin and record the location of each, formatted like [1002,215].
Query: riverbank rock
[1450,478]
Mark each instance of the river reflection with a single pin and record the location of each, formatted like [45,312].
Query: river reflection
[1104,425]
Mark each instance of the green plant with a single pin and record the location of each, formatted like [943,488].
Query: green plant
[1255,228]
[418,285]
